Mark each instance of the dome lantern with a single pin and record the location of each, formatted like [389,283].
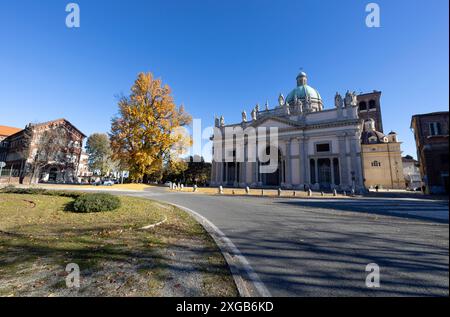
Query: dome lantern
[302,79]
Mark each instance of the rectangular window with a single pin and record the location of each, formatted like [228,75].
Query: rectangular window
[435,128]
[323,147]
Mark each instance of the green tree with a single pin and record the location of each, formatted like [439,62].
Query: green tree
[99,151]
[195,171]
[198,171]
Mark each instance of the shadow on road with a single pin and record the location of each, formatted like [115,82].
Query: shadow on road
[399,209]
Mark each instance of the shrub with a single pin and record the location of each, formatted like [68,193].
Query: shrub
[62,193]
[10,189]
[30,191]
[96,203]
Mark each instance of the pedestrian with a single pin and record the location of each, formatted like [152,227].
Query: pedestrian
[376,188]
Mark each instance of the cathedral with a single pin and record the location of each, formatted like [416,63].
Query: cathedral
[314,147]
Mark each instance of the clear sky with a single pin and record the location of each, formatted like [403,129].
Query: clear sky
[220,57]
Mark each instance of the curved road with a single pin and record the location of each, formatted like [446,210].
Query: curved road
[307,247]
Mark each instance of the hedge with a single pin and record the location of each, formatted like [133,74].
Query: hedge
[38,191]
[96,203]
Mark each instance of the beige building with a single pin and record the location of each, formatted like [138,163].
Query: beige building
[381,158]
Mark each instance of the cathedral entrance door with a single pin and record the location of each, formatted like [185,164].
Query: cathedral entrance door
[231,173]
[272,179]
[324,168]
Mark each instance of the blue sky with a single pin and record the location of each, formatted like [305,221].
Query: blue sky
[219,57]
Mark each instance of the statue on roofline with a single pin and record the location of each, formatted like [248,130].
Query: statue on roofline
[281,100]
[244,116]
[338,102]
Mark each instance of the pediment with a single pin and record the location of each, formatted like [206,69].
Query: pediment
[280,123]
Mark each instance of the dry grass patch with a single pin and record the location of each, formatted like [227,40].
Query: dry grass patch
[116,258]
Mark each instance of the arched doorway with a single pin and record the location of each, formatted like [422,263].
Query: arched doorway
[324,171]
[275,178]
[53,174]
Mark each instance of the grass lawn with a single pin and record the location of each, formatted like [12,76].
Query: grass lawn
[39,236]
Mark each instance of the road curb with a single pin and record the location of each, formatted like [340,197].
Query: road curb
[247,281]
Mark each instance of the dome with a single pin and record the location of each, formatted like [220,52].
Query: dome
[302,92]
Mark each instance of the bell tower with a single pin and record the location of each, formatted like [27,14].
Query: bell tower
[369,108]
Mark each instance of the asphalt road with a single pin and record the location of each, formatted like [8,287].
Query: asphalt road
[305,247]
[321,247]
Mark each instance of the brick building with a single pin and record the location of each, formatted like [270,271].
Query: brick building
[369,107]
[6,131]
[43,152]
[431,135]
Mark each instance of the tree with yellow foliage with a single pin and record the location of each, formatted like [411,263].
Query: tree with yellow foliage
[148,135]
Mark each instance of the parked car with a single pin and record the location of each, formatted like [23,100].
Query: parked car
[108,182]
[167,184]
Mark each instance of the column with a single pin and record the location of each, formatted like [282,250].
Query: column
[356,164]
[256,171]
[244,166]
[332,171]
[226,173]
[316,167]
[289,163]
[305,177]
[236,171]
[213,172]
[219,172]
[343,160]
[301,161]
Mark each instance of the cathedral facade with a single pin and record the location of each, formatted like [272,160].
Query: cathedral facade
[314,147]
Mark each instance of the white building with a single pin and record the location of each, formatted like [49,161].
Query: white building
[84,173]
[411,172]
[314,147]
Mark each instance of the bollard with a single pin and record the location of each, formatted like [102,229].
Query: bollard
[220,190]
[181,187]
[262,192]
[293,194]
[322,194]
[232,192]
[279,192]
[195,188]
[334,192]
[344,193]
[309,192]
[247,190]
